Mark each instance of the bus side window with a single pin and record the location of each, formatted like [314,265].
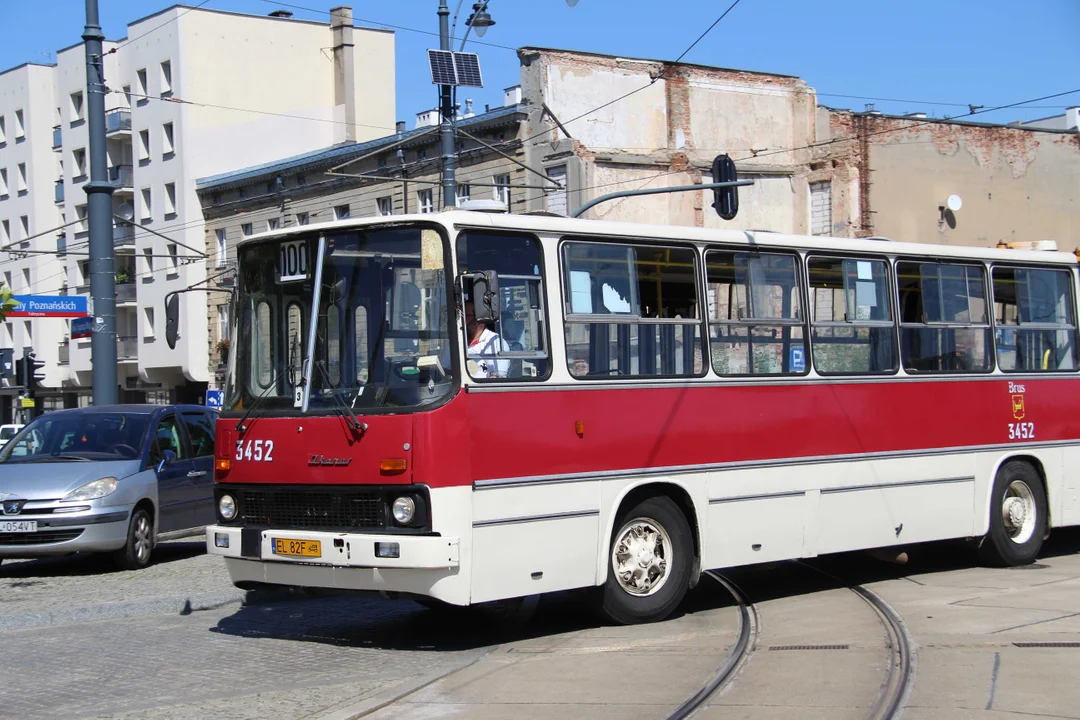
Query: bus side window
[756,323]
[851,316]
[521,351]
[1035,318]
[944,324]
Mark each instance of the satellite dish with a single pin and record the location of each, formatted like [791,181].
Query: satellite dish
[954,203]
[125,211]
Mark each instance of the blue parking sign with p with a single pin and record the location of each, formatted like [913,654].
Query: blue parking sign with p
[798,360]
[215,398]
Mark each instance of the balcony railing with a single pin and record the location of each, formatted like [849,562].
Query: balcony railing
[65,353]
[121,175]
[58,193]
[123,235]
[127,348]
[56,138]
[118,120]
[125,292]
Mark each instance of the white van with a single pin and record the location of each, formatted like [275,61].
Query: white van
[7,432]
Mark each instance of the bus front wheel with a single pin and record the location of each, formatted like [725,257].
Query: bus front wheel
[1018,513]
[651,558]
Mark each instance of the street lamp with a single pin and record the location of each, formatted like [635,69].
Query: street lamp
[480,19]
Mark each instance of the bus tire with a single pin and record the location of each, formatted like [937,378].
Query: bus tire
[1018,517]
[651,558]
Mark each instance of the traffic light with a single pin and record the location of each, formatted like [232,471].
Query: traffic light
[20,371]
[725,200]
[35,370]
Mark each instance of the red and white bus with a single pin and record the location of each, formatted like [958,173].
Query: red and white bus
[658,400]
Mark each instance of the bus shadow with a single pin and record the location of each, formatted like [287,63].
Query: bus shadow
[366,622]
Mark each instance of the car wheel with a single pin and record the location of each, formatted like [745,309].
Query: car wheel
[135,554]
[651,559]
[1017,517]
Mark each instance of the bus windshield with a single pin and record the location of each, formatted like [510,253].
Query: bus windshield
[382,323]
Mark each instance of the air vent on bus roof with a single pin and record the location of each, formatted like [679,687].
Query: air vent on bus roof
[1048,245]
[877,237]
[489,206]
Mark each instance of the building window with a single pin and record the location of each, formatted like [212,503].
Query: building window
[464,193]
[385,205]
[341,212]
[303,218]
[3,183]
[301,180]
[820,208]
[273,223]
[78,167]
[241,193]
[20,131]
[127,95]
[5,236]
[24,221]
[421,154]
[80,215]
[423,200]
[148,325]
[174,259]
[554,195]
[76,114]
[26,279]
[3,131]
[222,247]
[148,260]
[144,146]
[28,333]
[140,82]
[166,78]
[170,200]
[21,178]
[147,205]
[167,147]
[502,189]
[246,229]
[223,322]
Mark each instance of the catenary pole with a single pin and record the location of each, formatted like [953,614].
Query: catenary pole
[446,113]
[99,211]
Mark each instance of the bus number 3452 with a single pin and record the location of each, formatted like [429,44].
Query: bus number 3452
[1022,431]
[257,450]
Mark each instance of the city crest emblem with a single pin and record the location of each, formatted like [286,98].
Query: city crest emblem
[1018,407]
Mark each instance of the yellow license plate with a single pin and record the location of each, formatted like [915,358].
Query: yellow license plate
[297,548]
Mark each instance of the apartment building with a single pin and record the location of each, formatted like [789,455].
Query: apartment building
[192,92]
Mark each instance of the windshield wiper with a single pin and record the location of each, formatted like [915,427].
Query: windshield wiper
[258,399]
[350,417]
[50,458]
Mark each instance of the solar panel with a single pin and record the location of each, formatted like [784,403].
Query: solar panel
[442,67]
[468,69]
[453,68]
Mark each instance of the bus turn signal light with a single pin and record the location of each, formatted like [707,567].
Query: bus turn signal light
[222,466]
[579,428]
[392,466]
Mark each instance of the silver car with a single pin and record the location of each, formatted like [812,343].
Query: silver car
[107,479]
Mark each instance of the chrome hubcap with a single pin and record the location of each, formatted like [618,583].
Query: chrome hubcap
[142,538]
[640,556]
[1018,512]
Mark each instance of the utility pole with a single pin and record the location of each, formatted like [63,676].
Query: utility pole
[446,129]
[99,210]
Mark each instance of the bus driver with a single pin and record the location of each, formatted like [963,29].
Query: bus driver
[484,344]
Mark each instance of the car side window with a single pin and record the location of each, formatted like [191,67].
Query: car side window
[166,437]
[200,432]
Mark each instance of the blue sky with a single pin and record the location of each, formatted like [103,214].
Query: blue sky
[924,53]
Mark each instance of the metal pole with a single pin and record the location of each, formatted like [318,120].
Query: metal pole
[99,210]
[657,191]
[446,129]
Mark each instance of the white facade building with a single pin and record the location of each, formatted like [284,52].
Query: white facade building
[193,92]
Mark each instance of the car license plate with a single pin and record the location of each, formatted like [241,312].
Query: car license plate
[17,526]
[297,548]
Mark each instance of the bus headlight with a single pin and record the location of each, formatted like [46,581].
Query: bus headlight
[404,509]
[226,507]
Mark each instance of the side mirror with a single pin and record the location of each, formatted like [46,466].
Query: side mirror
[172,319]
[725,200]
[169,457]
[482,289]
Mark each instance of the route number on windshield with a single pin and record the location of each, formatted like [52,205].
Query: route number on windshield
[256,450]
[293,261]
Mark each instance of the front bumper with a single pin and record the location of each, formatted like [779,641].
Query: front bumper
[59,534]
[338,549]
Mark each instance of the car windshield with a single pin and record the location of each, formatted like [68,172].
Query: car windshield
[7,432]
[65,437]
[382,335]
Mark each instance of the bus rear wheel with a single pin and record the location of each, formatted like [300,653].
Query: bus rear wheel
[1018,519]
[651,556]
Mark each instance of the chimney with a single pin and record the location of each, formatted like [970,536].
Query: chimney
[1072,119]
[428,118]
[512,96]
[341,28]
[469,112]
[400,127]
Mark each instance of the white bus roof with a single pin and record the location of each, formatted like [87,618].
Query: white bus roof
[557,225]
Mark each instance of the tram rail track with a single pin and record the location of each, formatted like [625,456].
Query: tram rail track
[896,687]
